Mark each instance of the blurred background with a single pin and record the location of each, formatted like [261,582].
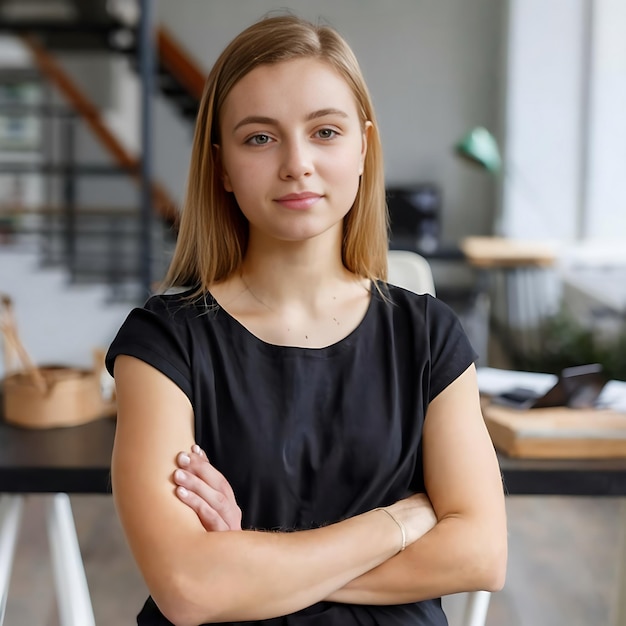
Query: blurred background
[97,106]
[96,123]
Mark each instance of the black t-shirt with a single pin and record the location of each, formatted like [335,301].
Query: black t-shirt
[308,436]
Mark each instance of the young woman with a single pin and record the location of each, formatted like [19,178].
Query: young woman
[298,443]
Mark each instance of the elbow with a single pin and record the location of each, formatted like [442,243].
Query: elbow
[186,598]
[177,618]
[178,600]
[489,555]
[494,578]
[491,570]
[481,561]
[181,612]
[177,609]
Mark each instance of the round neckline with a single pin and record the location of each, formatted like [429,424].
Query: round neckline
[275,347]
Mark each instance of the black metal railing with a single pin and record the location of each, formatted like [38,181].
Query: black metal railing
[94,244]
[126,249]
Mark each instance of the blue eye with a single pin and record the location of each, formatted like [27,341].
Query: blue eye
[259,140]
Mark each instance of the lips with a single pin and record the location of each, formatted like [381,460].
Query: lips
[299,201]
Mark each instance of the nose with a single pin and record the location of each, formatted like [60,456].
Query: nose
[296,161]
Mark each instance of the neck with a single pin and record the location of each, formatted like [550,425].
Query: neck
[292,273]
[292,294]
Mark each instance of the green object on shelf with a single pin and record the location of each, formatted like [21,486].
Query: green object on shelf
[567,342]
[480,147]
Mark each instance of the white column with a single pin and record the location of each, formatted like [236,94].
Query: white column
[544,118]
[605,216]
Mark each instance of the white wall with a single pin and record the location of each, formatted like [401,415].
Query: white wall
[606,193]
[57,323]
[432,67]
[565,155]
[544,133]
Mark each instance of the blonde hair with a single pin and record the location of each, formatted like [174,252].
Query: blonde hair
[213,231]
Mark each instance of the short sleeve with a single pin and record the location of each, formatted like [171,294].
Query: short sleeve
[451,352]
[157,335]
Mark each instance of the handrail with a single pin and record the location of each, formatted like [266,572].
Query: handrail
[49,67]
[180,63]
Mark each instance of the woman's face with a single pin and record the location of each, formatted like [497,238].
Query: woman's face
[292,149]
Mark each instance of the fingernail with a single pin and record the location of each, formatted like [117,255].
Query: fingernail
[182,492]
[179,476]
[183,459]
[196,449]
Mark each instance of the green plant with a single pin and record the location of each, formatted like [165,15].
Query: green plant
[566,342]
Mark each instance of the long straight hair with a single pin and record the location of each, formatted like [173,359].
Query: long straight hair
[213,233]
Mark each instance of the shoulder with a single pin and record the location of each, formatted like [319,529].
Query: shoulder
[425,307]
[160,332]
[164,320]
[178,306]
[175,299]
[425,321]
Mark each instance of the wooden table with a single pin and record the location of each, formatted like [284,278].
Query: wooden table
[512,289]
[557,432]
[502,252]
[516,275]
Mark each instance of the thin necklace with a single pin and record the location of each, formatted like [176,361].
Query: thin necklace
[267,306]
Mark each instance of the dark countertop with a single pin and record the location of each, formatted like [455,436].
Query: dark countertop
[72,460]
[77,460]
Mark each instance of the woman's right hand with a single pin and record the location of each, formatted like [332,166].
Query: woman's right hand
[416,514]
[206,491]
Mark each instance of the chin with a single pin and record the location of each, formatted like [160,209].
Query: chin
[309,232]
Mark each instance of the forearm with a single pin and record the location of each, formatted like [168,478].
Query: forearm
[249,575]
[197,576]
[458,554]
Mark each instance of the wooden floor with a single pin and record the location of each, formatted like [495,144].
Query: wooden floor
[563,561]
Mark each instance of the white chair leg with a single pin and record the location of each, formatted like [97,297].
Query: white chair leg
[476,608]
[73,598]
[10,516]
[619,617]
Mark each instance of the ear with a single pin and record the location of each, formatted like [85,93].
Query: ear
[367,129]
[223,175]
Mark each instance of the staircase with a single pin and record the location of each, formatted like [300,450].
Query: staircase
[90,26]
[94,244]
[72,263]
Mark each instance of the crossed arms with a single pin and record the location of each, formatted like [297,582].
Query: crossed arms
[456,536]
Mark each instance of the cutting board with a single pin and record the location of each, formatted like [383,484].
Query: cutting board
[557,432]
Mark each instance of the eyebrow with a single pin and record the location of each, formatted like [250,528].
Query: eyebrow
[261,119]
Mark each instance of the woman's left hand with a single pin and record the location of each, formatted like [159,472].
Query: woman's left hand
[206,491]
